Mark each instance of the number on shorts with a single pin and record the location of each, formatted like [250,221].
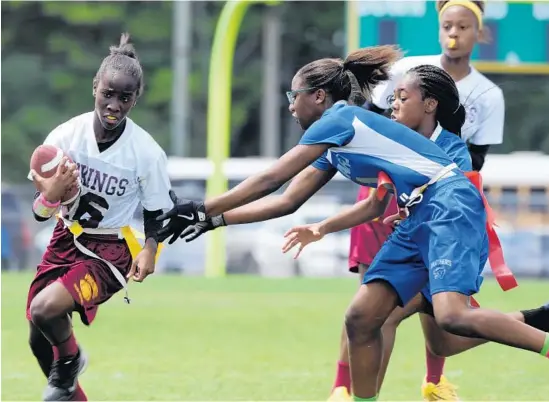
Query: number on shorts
[92,204]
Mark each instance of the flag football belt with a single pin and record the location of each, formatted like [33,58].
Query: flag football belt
[501,271]
[384,184]
[128,233]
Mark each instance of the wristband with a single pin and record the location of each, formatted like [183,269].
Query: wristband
[218,220]
[43,208]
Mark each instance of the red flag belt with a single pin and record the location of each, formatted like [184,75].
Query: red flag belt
[501,271]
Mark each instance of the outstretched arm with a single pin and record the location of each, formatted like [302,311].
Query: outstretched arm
[301,188]
[267,182]
[361,212]
[327,132]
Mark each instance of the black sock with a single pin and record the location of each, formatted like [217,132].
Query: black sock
[537,318]
[42,350]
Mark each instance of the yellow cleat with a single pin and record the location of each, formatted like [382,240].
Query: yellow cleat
[340,394]
[443,391]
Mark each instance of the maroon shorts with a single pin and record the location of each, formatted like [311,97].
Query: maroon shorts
[89,280]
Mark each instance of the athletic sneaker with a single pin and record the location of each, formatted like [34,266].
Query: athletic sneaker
[63,378]
[340,394]
[443,391]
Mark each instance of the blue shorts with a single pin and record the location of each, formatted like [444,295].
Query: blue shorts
[442,244]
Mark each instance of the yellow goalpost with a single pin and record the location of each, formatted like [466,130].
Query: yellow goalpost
[219,118]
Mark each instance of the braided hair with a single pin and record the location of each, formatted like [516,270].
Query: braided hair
[351,79]
[122,58]
[436,83]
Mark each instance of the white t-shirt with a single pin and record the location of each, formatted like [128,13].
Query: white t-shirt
[114,181]
[483,100]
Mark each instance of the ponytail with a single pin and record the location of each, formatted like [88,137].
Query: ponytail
[351,79]
[369,66]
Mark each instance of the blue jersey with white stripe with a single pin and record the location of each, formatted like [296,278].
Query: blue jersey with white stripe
[365,144]
[454,147]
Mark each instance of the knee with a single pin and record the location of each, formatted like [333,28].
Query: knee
[42,309]
[453,321]
[52,302]
[38,313]
[361,323]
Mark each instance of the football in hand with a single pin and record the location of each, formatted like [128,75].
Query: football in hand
[44,160]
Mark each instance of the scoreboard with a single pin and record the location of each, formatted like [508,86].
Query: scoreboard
[519,31]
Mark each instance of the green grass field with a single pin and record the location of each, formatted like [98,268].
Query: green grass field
[247,338]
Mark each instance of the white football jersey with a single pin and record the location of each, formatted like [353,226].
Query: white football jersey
[132,170]
[483,100]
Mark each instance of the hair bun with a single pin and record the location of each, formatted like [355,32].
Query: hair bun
[125,48]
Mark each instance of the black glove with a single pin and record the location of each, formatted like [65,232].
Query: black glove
[184,214]
[192,232]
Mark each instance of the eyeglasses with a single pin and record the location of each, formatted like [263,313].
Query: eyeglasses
[291,95]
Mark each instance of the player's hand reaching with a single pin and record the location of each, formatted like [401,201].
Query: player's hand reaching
[301,236]
[184,214]
[192,232]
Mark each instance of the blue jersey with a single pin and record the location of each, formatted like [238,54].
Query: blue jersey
[365,144]
[454,147]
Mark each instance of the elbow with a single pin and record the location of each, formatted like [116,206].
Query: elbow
[270,183]
[288,206]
